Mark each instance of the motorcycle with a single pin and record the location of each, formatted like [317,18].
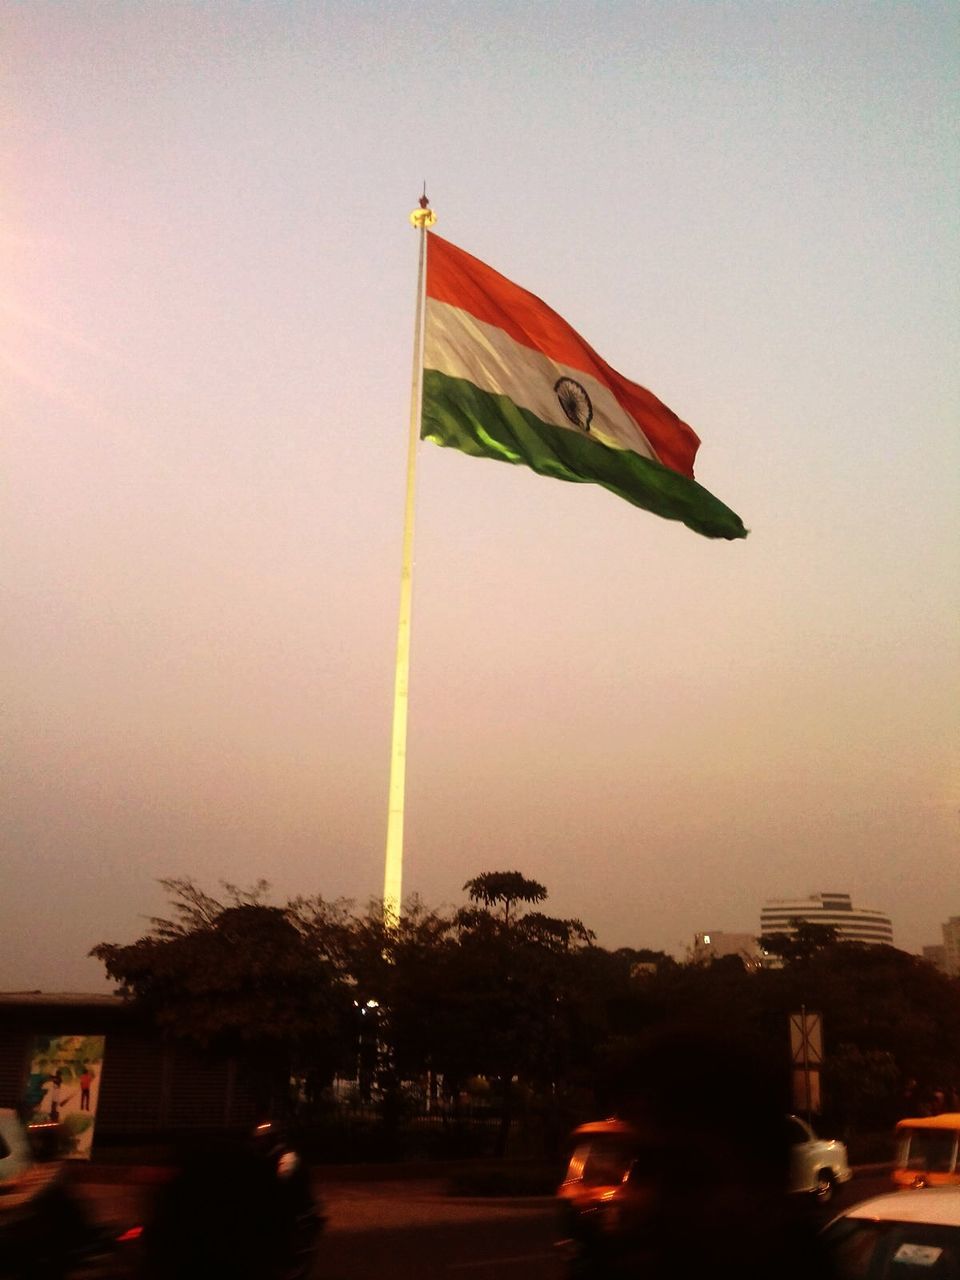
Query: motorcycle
[235,1206]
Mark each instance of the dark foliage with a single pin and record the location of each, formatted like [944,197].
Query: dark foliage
[525,1000]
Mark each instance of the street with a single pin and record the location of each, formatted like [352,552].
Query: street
[397,1231]
[401,1230]
[472,1240]
[408,1229]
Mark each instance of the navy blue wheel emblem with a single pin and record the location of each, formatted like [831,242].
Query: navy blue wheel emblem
[574,402]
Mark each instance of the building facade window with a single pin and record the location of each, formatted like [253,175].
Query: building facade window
[853,923]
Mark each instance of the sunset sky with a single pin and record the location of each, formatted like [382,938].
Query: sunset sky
[206,322]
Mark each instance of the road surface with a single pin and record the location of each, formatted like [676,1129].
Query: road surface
[411,1229]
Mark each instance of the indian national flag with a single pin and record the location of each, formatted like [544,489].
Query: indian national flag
[505,377]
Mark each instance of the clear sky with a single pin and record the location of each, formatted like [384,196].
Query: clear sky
[206,322]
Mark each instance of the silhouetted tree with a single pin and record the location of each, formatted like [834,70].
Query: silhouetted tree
[504,888]
[503,990]
[805,940]
[514,975]
[240,977]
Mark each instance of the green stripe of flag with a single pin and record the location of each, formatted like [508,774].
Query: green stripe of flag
[459,415]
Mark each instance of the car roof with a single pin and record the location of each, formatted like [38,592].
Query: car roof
[946,1120]
[800,1121]
[612,1126]
[936,1205]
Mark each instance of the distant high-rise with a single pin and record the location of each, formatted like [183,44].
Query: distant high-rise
[951,946]
[852,923]
[937,956]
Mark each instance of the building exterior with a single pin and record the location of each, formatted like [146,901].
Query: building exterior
[716,944]
[147,1086]
[937,956]
[951,946]
[852,923]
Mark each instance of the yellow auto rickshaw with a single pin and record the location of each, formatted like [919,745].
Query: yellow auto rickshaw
[927,1149]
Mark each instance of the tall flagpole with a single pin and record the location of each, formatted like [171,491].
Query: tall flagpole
[393,867]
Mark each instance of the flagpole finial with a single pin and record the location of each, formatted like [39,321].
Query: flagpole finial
[424,216]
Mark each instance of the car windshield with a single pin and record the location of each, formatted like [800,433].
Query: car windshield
[862,1249]
[797,1132]
[601,1161]
[930,1150]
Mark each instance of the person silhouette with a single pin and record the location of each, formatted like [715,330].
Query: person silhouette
[86,1080]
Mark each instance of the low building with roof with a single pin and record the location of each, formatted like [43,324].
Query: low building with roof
[716,944]
[149,1084]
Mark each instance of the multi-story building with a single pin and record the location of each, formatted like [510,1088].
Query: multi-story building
[951,946]
[852,923]
[716,944]
[937,956]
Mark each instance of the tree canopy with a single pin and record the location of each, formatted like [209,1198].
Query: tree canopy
[501,990]
[804,940]
[229,974]
[504,888]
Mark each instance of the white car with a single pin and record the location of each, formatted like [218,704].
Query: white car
[16,1157]
[817,1165]
[45,1229]
[904,1235]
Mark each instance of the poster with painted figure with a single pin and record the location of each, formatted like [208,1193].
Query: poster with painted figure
[63,1087]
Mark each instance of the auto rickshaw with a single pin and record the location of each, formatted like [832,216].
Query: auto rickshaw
[927,1150]
[593,1193]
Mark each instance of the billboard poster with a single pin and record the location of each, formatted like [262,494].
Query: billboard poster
[63,1086]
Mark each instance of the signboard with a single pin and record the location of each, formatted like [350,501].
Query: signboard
[806,1039]
[806,1090]
[806,1054]
[63,1086]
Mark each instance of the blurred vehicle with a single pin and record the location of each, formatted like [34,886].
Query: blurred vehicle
[605,1195]
[16,1153]
[45,1231]
[904,1235]
[593,1191]
[817,1165]
[927,1151]
[236,1206]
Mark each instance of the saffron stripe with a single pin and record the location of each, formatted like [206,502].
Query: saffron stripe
[465,282]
